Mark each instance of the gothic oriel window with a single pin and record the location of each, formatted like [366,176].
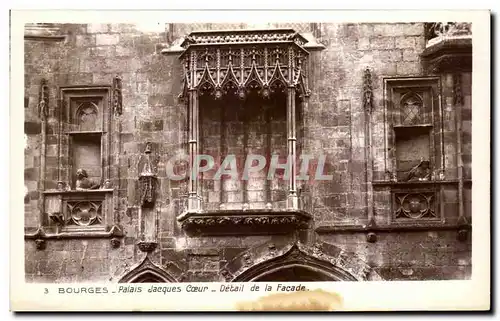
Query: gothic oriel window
[244,91]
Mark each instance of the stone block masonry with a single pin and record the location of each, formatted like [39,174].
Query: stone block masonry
[333,123]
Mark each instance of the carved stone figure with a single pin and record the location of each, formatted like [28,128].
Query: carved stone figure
[147,181]
[83,182]
[421,172]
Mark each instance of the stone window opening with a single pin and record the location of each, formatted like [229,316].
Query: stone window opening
[79,195]
[414,139]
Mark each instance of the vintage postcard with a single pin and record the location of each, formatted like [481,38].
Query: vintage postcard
[249,161]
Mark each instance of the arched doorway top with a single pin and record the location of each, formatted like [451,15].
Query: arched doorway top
[323,261]
[147,272]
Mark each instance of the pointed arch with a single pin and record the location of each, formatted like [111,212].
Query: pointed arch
[253,77]
[206,79]
[87,115]
[297,262]
[294,258]
[277,76]
[230,78]
[147,272]
[411,108]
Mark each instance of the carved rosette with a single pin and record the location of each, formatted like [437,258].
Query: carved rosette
[216,63]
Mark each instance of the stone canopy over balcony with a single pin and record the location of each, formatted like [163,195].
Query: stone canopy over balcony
[448,47]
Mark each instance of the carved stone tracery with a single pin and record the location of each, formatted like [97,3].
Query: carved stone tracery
[448,47]
[218,63]
[87,116]
[411,105]
[415,205]
[84,213]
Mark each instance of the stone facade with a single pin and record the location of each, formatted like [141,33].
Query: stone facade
[379,100]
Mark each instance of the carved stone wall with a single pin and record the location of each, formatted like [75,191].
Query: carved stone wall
[334,124]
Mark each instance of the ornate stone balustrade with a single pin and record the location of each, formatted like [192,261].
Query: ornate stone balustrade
[79,211]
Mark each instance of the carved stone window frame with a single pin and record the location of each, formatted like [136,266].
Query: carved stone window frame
[59,219]
[70,94]
[436,184]
[435,126]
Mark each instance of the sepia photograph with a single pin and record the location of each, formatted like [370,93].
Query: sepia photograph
[281,153]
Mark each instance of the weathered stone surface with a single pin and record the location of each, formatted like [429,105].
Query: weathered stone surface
[333,124]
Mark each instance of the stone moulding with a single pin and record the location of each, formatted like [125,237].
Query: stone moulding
[245,222]
[43,32]
[110,232]
[213,37]
[146,246]
[415,183]
[408,227]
